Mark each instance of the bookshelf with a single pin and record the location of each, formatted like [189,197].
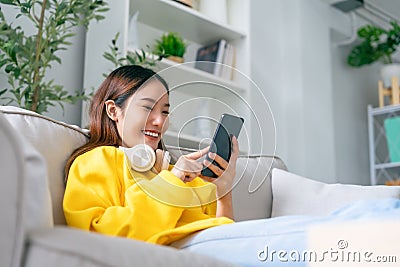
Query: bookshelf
[190,87]
[186,73]
[382,169]
[195,26]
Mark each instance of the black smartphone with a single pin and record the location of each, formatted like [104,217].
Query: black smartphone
[228,126]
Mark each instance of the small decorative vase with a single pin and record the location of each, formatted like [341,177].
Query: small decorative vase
[176,59]
[388,71]
[188,3]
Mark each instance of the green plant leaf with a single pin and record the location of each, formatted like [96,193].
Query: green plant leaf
[8,2]
[2,92]
[377,44]
[9,68]
[170,44]
[26,63]
[132,57]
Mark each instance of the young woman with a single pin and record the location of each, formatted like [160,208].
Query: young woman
[104,194]
[176,206]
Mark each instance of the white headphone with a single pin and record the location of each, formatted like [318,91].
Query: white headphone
[142,157]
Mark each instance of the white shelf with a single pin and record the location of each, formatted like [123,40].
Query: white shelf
[168,16]
[381,169]
[385,110]
[177,74]
[387,165]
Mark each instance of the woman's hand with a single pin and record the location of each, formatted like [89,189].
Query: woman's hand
[187,168]
[226,173]
[158,165]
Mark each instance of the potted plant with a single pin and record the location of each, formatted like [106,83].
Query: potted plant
[170,46]
[26,57]
[377,44]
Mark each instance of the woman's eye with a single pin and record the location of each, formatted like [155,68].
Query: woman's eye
[147,108]
[165,112]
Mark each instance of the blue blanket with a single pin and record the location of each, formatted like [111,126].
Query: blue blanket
[245,243]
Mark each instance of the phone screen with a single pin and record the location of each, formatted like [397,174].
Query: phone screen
[229,125]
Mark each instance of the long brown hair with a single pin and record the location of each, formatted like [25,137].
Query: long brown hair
[118,86]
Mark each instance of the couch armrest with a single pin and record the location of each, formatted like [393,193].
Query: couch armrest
[64,247]
[252,193]
[24,196]
[54,141]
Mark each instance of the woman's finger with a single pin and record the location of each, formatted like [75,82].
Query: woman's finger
[190,176]
[159,160]
[215,169]
[186,168]
[207,179]
[198,154]
[235,149]
[234,155]
[220,160]
[189,169]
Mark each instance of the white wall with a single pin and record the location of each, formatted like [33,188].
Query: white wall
[353,90]
[319,103]
[317,91]
[69,73]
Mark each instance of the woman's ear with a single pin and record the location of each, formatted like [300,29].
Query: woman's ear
[112,110]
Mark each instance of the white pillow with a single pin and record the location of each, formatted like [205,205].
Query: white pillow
[296,195]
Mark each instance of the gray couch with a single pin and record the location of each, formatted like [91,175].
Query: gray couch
[33,155]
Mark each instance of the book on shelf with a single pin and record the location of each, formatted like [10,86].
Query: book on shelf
[208,55]
[229,62]
[212,58]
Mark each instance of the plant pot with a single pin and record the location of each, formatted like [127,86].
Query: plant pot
[188,3]
[176,59]
[388,71]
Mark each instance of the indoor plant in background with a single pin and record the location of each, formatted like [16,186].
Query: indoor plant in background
[137,57]
[172,46]
[25,58]
[377,44]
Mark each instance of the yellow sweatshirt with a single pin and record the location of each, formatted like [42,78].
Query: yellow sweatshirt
[103,194]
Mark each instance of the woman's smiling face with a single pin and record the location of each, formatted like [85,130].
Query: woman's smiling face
[144,119]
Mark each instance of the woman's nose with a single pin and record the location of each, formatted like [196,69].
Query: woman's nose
[157,119]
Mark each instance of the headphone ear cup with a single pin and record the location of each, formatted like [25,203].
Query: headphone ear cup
[141,157]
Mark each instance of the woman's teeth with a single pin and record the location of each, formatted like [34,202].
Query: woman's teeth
[152,134]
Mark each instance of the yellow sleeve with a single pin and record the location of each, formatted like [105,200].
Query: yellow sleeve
[95,200]
[206,193]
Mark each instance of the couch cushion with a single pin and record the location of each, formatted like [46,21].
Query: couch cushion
[81,248]
[296,195]
[252,195]
[55,141]
[24,194]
